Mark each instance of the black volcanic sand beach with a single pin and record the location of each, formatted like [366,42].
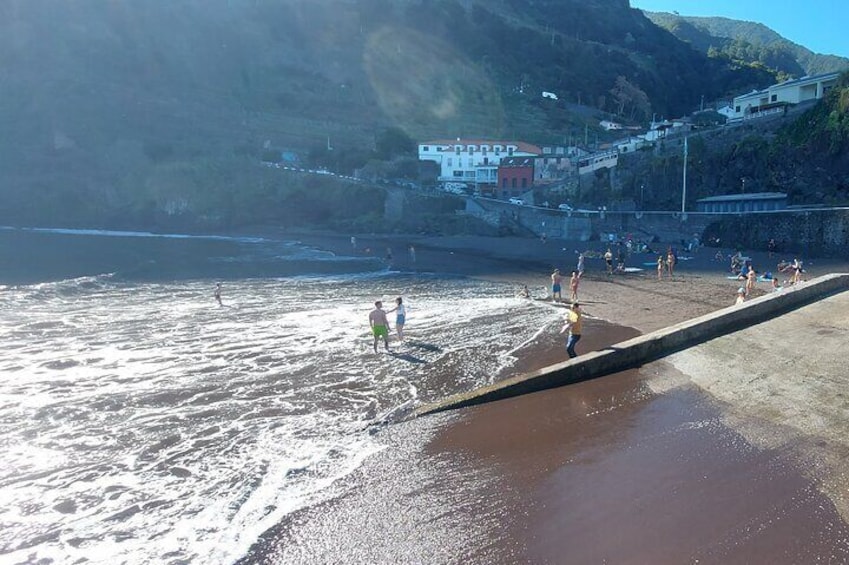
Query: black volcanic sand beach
[603,471]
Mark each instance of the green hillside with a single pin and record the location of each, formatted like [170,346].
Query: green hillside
[159,111]
[748,42]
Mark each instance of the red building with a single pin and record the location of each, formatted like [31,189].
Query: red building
[515,176]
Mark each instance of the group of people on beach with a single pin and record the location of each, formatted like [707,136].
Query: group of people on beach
[666,264]
[379,322]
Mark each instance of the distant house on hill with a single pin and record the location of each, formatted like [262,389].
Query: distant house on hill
[555,163]
[775,98]
[609,126]
[515,176]
[472,161]
[595,161]
[737,203]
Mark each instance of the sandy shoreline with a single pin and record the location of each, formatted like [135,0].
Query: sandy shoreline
[676,462]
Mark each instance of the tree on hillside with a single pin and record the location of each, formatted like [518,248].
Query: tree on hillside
[394,142]
[630,97]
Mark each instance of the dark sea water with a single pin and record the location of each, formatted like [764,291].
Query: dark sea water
[142,423]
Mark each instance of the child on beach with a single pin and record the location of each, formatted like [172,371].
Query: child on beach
[217,293]
[573,285]
[751,277]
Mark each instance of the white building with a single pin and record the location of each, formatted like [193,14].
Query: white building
[773,99]
[595,161]
[472,161]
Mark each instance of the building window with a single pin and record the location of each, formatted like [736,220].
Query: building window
[471,149]
[503,183]
[510,151]
[457,149]
[458,174]
[513,182]
[486,160]
[774,98]
[450,162]
[524,182]
[737,109]
[425,148]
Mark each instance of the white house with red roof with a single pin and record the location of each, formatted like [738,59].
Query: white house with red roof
[472,161]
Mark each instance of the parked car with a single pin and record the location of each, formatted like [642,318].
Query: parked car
[565,207]
[517,201]
[455,185]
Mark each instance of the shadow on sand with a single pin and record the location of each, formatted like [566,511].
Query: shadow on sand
[426,346]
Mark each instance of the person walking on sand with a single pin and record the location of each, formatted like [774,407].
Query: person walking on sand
[573,286]
[412,254]
[608,259]
[353,243]
[379,325]
[217,293]
[400,317]
[573,324]
[660,267]
[556,279]
[751,278]
[580,264]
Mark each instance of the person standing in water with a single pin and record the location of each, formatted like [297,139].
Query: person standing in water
[573,324]
[379,325]
[556,279]
[400,317]
[217,293]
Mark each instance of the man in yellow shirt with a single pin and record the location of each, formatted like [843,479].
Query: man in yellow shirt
[573,324]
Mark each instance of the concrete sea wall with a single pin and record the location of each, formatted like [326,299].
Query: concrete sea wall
[649,347]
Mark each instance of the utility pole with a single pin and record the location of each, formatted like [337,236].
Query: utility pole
[684,188]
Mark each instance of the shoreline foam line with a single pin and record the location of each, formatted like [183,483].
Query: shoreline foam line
[643,349]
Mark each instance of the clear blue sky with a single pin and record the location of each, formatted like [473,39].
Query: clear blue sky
[819,25]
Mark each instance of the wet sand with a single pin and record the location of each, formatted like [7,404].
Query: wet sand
[639,467]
